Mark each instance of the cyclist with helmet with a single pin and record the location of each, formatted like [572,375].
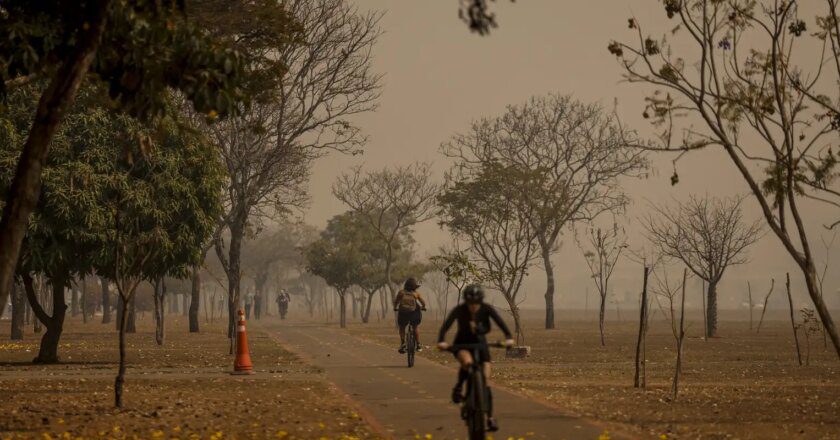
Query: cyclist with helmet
[408,305]
[473,317]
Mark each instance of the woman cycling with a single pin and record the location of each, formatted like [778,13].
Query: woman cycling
[408,311]
[473,317]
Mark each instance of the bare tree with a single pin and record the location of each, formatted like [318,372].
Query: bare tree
[327,79]
[764,307]
[601,254]
[639,378]
[680,337]
[392,200]
[745,89]
[439,286]
[576,151]
[708,236]
[666,292]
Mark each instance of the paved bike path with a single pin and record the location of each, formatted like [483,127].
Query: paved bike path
[406,402]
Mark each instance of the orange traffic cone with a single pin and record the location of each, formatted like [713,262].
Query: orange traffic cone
[242,364]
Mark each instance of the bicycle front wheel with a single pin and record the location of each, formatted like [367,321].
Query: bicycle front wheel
[476,415]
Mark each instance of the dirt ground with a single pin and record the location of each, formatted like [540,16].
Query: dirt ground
[738,386]
[180,390]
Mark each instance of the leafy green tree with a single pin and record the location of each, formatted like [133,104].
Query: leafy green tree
[338,256]
[66,229]
[372,277]
[391,201]
[483,207]
[162,207]
[129,201]
[734,76]
[138,50]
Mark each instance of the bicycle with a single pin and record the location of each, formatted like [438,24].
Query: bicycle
[474,406]
[410,341]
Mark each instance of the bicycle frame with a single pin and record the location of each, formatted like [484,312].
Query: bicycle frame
[474,407]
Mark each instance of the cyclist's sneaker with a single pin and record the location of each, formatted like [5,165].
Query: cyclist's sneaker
[402,349]
[492,425]
[457,397]
[419,348]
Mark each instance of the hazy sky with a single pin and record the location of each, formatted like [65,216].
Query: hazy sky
[439,77]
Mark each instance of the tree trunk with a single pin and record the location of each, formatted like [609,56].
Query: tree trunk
[18,312]
[259,293]
[25,187]
[131,319]
[185,304]
[675,386]
[173,304]
[106,301]
[549,287]
[122,324]
[84,299]
[120,309]
[234,273]
[383,302]
[705,314]
[601,313]
[639,377]
[749,295]
[195,299]
[48,352]
[793,322]
[74,299]
[517,324]
[711,310]
[159,295]
[816,296]
[27,313]
[354,305]
[366,316]
[764,307]
[343,311]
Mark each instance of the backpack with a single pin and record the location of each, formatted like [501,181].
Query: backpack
[408,302]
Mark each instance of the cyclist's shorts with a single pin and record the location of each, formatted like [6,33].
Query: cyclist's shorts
[414,317]
[484,351]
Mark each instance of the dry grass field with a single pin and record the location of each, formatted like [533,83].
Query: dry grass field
[180,390]
[738,386]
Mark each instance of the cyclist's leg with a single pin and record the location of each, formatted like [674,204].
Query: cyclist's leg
[466,360]
[487,367]
[416,325]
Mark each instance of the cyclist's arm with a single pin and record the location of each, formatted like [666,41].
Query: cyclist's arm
[398,299]
[498,320]
[420,299]
[450,319]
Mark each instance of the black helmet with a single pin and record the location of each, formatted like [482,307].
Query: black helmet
[411,285]
[473,294]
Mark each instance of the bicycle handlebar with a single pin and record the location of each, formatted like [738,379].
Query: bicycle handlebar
[457,347]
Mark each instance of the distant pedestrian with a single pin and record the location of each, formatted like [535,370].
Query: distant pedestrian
[283,300]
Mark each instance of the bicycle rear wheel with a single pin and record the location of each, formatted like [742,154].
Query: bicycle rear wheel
[410,345]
